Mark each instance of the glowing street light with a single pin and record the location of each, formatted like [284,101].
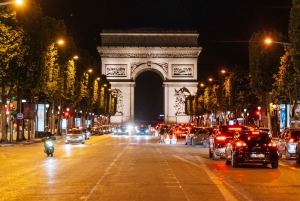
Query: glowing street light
[269,41]
[18,2]
[60,42]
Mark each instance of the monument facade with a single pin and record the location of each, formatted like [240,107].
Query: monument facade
[171,54]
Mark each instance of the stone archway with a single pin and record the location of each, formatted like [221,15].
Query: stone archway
[171,54]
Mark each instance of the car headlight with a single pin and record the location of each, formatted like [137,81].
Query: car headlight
[68,137]
[137,131]
[80,137]
[147,131]
[49,143]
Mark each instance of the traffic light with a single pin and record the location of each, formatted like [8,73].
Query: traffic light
[11,106]
[66,114]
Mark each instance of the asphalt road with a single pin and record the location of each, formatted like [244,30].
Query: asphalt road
[137,168]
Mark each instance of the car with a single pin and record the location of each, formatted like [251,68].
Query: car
[75,135]
[217,142]
[287,142]
[106,129]
[141,130]
[96,130]
[251,147]
[201,137]
[181,131]
[121,130]
[298,150]
[191,133]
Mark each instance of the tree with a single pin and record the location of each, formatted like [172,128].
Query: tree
[284,85]
[264,61]
[294,33]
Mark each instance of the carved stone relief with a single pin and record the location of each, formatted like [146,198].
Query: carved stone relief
[116,70]
[139,67]
[180,100]
[120,105]
[182,70]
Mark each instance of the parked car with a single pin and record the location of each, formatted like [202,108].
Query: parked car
[287,142]
[218,141]
[96,130]
[121,130]
[141,130]
[201,137]
[251,147]
[75,135]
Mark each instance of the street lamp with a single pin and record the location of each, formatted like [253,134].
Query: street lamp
[18,2]
[269,41]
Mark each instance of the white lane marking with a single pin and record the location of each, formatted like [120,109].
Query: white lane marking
[226,194]
[106,172]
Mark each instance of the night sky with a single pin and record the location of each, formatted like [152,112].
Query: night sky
[224,27]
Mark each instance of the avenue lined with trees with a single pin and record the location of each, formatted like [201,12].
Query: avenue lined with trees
[40,63]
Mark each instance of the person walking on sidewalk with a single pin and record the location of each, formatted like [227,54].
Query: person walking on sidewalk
[161,134]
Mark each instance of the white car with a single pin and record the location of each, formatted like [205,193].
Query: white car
[75,135]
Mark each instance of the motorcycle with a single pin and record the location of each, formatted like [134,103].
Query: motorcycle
[49,145]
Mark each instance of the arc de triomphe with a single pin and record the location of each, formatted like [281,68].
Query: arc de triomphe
[172,54]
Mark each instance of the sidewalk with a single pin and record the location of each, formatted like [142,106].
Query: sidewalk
[25,142]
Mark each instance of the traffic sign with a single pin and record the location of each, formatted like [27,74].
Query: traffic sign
[20,116]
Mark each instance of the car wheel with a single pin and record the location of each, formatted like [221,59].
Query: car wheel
[274,165]
[215,157]
[234,162]
[287,155]
[193,142]
[82,142]
[298,157]
[210,154]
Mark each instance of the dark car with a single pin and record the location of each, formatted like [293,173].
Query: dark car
[251,147]
[141,130]
[201,137]
[191,134]
[217,142]
[121,130]
[287,142]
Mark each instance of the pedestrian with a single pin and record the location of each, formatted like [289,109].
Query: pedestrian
[161,134]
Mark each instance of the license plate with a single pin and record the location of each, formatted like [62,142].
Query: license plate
[257,155]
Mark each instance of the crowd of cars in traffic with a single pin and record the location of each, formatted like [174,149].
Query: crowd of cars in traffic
[234,143]
[240,144]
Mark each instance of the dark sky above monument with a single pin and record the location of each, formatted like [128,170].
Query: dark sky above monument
[230,21]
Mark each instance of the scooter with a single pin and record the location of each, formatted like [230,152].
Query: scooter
[49,145]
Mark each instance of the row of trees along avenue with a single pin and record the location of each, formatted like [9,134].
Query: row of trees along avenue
[272,77]
[35,67]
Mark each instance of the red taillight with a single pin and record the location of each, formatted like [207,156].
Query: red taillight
[255,132]
[221,138]
[240,144]
[272,144]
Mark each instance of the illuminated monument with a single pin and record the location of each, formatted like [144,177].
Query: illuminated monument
[172,54]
